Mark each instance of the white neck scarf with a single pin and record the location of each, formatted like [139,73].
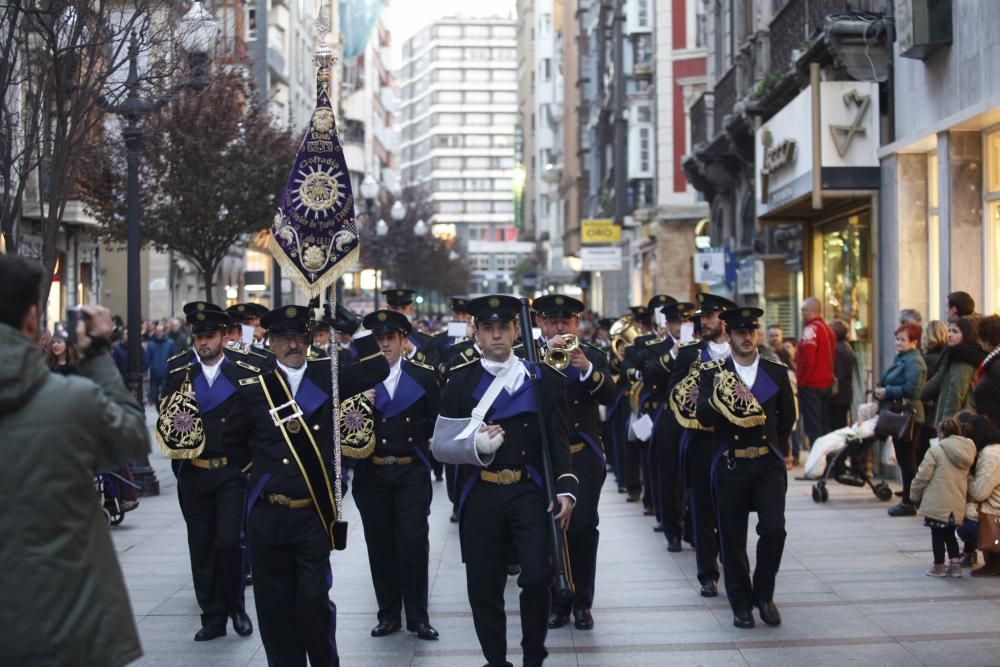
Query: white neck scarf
[718,350]
[391,382]
[293,375]
[211,371]
[512,369]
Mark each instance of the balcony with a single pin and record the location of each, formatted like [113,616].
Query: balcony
[795,23]
[699,120]
[725,98]
[276,63]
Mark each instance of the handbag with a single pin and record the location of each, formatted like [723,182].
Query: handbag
[896,420]
[989,532]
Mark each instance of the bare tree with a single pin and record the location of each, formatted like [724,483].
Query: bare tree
[58,59]
[213,169]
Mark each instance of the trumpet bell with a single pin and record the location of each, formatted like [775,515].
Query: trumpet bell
[558,357]
[623,332]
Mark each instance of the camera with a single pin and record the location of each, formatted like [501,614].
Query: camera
[74,316]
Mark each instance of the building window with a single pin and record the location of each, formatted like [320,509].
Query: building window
[645,149]
[505,75]
[477,97]
[504,97]
[643,114]
[477,119]
[478,232]
[479,207]
[478,162]
[448,31]
[448,119]
[448,75]
[503,140]
[448,97]
[477,140]
[642,13]
[448,53]
[477,75]
[448,163]
[449,185]
[477,31]
[251,23]
[546,67]
[449,207]
[477,53]
[933,236]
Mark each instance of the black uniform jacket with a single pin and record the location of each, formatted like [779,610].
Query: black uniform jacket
[522,446]
[772,391]
[427,348]
[214,402]
[253,435]
[584,397]
[405,422]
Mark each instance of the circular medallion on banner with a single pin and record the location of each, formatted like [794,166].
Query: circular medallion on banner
[318,191]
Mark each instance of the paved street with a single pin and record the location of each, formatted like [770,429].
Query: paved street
[852,590]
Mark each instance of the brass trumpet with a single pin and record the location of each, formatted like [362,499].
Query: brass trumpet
[558,357]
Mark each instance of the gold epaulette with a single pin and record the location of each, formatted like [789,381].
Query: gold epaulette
[249,367]
[711,365]
[234,346]
[776,362]
[256,352]
[177,356]
[181,368]
[655,341]
[690,343]
[418,358]
[469,353]
[420,364]
[462,365]
[245,381]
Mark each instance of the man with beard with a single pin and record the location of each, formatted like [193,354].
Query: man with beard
[696,443]
[210,488]
[749,403]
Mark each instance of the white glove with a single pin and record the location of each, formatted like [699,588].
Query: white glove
[487,444]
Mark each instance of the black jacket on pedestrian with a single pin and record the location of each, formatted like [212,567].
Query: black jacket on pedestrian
[843,373]
[986,393]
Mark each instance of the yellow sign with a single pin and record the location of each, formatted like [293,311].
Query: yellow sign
[600,231]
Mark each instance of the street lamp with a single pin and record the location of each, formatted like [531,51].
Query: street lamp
[398,211]
[369,190]
[420,229]
[132,109]
[381,228]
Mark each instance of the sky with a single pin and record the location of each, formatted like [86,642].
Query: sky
[406,17]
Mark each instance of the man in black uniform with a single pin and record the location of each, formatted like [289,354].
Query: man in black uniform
[286,417]
[587,387]
[504,503]
[346,323]
[696,438]
[392,487]
[749,402]
[444,340]
[210,488]
[632,379]
[251,337]
[666,436]
[422,347]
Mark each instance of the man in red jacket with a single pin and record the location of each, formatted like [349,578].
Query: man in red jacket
[814,369]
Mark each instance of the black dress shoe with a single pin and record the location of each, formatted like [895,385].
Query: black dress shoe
[426,631]
[648,511]
[454,517]
[769,613]
[903,509]
[513,570]
[210,632]
[633,497]
[674,545]
[658,528]
[557,620]
[709,590]
[386,628]
[248,580]
[743,619]
[582,620]
[242,624]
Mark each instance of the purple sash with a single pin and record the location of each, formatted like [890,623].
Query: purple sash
[309,397]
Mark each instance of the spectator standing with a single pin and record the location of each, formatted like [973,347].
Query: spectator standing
[984,496]
[951,386]
[814,369]
[839,413]
[67,602]
[901,384]
[62,356]
[960,304]
[160,349]
[986,393]
[940,488]
[911,315]
[180,334]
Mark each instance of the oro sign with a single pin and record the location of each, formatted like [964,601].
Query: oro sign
[599,231]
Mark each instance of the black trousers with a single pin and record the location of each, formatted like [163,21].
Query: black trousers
[494,519]
[394,501]
[290,555]
[813,408]
[906,459]
[212,505]
[944,537]
[631,466]
[670,482]
[582,535]
[698,452]
[650,488]
[838,416]
[743,486]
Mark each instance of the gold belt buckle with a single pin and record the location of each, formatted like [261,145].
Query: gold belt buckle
[216,463]
[279,499]
[507,477]
[390,460]
[752,452]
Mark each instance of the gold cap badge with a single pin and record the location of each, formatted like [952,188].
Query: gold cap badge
[201,317]
[560,301]
[493,303]
[291,311]
[200,306]
[382,317]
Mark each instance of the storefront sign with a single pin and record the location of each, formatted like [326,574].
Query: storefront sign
[710,266]
[750,277]
[847,149]
[600,231]
[601,258]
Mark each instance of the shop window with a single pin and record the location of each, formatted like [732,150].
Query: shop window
[933,237]
[993,277]
[846,267]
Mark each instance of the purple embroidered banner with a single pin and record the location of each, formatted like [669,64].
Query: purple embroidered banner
[313,235]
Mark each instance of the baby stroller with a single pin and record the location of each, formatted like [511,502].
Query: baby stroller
[115,494]
[847,466]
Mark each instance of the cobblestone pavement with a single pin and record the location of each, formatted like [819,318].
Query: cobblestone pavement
[851,590]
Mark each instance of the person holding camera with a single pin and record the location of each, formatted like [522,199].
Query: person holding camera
[61,573]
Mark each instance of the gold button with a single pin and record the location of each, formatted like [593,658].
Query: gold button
[576,402]
[384,441]
[315,427]
[384,420]
[409,439]
[223,420]
[736,437]
[285,461]
[576,423]
[524,453]
[525,425]
[407,419]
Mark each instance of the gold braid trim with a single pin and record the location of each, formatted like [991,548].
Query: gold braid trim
[734,401]
[684,399]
